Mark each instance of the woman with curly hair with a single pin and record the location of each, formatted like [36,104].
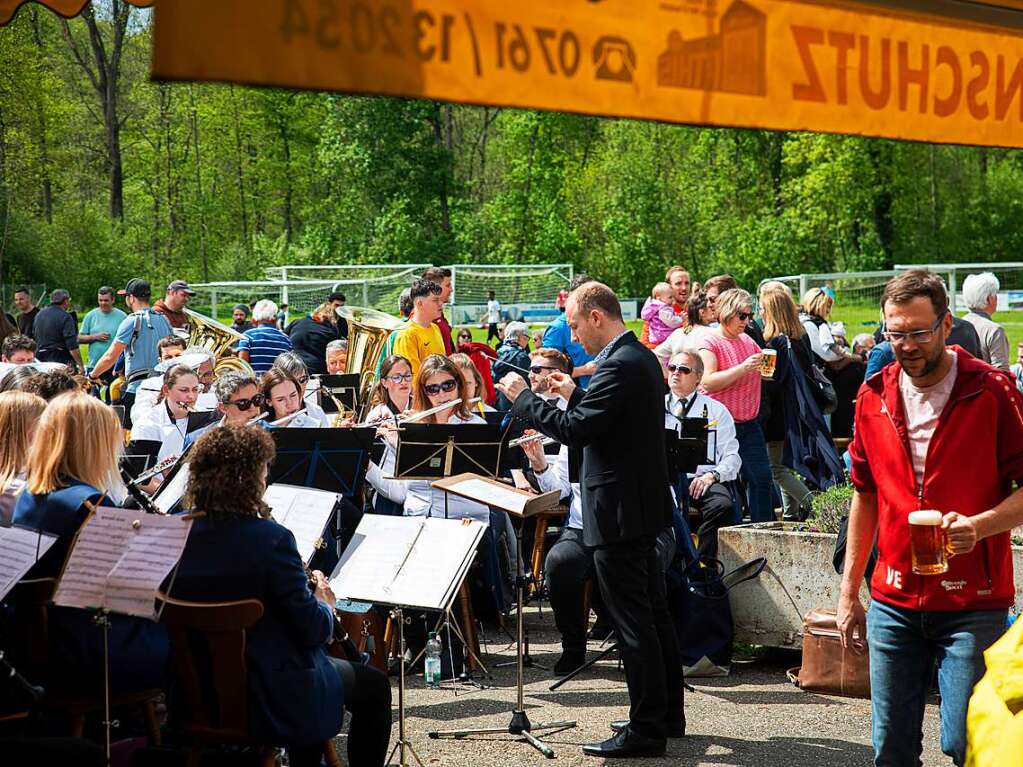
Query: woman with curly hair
[236,551]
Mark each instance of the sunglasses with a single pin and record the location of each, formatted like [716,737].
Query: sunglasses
[303,380]
[683,369]
[446,386]
[745,316]
[538,369]
[245,404]
[465,338]
[399,378]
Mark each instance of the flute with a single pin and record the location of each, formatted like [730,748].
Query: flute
[544,440]
[282,421]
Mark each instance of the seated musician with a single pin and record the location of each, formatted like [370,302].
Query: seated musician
[297,691]
[393,392]
[148,394]
[291,364]
[167,422]
[707,495]
[337,356]
[474,388]
[50,383]
[283,401]
[238,402]
[19,414]
[18,349]
[73,459]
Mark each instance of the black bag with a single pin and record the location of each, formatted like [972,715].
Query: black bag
[702,613]
[823,390]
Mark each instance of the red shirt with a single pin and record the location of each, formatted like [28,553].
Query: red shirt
[445,334]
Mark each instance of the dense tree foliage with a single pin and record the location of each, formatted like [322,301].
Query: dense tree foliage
[104,174]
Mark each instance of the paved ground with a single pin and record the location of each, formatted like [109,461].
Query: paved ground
[753,718]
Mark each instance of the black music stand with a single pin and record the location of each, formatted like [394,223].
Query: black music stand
[326,459]
[339,388]
[201,419]
[436,451]
[142,453]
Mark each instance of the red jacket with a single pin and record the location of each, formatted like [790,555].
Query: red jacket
[481,354]
[975,455]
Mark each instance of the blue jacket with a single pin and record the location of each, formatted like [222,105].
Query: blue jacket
[296,696]
[138,647]
[509,354]
[559,336]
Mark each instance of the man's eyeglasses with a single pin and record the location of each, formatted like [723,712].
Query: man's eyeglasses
[745,316]
[444,386]
[896,338]
[538,370]
[245,404]
[683,369]
[398,378]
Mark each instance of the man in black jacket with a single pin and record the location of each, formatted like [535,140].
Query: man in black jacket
[618,423]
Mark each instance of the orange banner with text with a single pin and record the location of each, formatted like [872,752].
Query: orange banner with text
[774,64]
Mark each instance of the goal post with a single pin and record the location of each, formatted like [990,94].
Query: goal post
[525,291]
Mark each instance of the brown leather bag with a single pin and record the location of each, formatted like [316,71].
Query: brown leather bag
[827,667]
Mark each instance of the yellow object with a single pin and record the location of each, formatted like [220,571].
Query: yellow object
[994,725]
[415,343]
[834,67]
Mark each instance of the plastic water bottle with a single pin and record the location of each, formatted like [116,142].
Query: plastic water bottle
[431,668]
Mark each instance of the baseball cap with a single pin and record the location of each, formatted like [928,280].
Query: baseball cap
[137,287]
[180,285]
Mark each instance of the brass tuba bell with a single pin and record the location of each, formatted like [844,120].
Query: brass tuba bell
[368,330]
[217,339]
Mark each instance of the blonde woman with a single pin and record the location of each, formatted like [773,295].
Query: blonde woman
[19,413]
[72,461]
[473,382]
[816,306]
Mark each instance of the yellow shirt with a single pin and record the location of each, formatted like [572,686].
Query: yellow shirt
[415,343]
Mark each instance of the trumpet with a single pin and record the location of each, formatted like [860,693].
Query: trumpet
[543,439]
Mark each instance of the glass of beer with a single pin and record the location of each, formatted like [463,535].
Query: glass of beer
[927,542]
[768,360]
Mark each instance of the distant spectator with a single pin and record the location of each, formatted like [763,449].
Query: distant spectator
[172,305]
[481,356]
[337,356]
[512,357]
[18,349]
[282,317]
[420,336]
[829,290]
[659,315]
[862,344]
[980,292]
[240,317]
[263,342]
[337,299]
[23,302]
[701,314]
[559,336]
[98,328]
[561,300]
[717,285]
[405,310]
[310,334]
[678,280]
[442,276]
[493,316]
[1017,367]
[55,332]
[170,347]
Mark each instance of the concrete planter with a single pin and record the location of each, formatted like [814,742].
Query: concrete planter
[763,609]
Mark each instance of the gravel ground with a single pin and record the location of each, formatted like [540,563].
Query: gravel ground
[754,717]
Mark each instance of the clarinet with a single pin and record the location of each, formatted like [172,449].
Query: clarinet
[340,644]
[138,495]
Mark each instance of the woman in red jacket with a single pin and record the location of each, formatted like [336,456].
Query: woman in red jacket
[480,354]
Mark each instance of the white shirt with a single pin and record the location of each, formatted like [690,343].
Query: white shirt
[923,408]
[821,340]
[726,447]
[419,497]
[494,311]
[682,340]
[158,426]
[557,477]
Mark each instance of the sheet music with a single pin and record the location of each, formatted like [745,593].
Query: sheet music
[491,494]
[19,550]
[304,511]
[409,561]
[119,560]
[172,491]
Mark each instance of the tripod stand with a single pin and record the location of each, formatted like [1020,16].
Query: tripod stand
[403,743]
[519,724]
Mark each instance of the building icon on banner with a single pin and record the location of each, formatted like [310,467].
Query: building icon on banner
[732,61]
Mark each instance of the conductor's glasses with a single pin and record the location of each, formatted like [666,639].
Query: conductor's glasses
[444,386]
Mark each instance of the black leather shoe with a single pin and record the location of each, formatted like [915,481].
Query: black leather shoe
[671,730]
[626,744]
[569,661]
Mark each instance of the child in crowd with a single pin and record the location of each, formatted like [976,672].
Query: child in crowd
[659,314]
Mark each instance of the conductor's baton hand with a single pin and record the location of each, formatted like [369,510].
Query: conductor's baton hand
[511,386]
[561,384]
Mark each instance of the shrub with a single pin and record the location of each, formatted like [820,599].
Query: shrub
[829,507]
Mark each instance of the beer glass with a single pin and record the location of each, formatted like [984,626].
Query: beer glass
[927,543]
[768,360]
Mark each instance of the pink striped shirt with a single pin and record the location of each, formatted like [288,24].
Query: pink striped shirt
[743,397]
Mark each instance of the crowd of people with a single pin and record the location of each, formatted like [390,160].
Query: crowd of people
[776,382]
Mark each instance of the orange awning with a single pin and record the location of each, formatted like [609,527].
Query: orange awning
[66,8]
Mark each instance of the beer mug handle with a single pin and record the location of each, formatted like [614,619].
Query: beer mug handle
[949,553]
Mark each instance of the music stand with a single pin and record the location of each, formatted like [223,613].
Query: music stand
[339,389]
[150,448]
[436,451]
[326,459]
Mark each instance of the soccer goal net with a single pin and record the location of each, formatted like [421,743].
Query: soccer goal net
[525,291]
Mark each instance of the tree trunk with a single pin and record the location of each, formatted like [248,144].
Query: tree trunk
[240,175]
[523,231]
[41,130]
[194,124]
[880,157]
[438,134]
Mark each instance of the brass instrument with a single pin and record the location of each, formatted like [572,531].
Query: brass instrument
[216,338]
[368,330]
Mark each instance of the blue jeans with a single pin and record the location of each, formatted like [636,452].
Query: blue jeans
[756,470]
[904,647]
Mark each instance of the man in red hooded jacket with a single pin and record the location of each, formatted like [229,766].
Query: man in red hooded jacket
[936,429]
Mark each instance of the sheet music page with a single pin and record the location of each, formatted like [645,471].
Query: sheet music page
[371,562]
[304,511]
[150,554]
[19,550]
[99,547]
[490,494]
[172,492]
[440,555]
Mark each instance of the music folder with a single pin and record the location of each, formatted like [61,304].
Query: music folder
[499,495]
[304,511]
[435,451]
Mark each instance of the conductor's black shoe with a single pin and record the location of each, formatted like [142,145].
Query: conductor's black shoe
[676,730]
[625,744]
[569,661]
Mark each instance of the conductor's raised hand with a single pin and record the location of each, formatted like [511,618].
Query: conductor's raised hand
[511,386]
[561,384]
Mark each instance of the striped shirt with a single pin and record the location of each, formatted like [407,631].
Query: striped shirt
[264,343]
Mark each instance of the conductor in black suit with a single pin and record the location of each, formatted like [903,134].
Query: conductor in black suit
[618,423]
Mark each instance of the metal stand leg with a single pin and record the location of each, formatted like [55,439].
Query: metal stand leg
[403,743]
[519,724]
[588,664]
[102,619]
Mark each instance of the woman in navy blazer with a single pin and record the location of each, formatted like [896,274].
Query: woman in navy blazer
[235,551]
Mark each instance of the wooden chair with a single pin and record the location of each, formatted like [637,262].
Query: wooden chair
[222,719]
[543,521]
[32,633]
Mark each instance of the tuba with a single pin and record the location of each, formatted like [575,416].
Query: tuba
[216,338]
[368,330]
